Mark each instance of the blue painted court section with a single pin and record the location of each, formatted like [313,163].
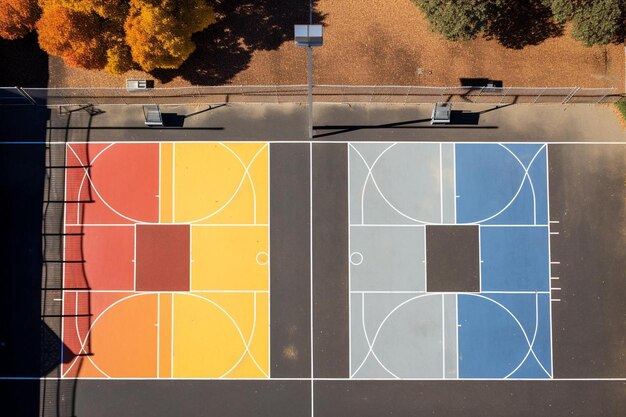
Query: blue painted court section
[504,336]
[501,184]
[515,258]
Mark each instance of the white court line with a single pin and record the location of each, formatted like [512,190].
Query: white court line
[441,180]
[445,292]
[454,179]
[480,261]
[349,266]
[549,258]
[425,262]
[159,191]
[169,291]
[464,224]
[443,337]
[63,266]
[312,376]
[168,224]
[135,258]
[190,258]
[172,339]
[458,371]
[549,380]
[173,181]
[158,327]
[237,141]
[269,267]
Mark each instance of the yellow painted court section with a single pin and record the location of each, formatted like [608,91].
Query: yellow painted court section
[229,258]
[218,183]
[220,335]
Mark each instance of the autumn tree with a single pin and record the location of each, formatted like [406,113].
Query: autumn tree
[17,17]
[159,31]
[458,20]
[75,36]
[595,22]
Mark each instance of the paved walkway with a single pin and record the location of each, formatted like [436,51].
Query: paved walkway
[333,122]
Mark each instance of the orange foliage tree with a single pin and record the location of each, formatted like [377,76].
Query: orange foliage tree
[17,17]
[113,35]
[77,37]
[159,31]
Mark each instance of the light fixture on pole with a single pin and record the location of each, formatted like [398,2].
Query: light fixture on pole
[309,36]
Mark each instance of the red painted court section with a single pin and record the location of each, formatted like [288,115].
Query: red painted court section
[112,184]
[163,257]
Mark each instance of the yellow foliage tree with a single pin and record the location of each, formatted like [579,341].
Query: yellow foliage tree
[158,32]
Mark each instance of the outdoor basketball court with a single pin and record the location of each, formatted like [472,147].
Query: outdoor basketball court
[166,261]
[450,268]
[337,278]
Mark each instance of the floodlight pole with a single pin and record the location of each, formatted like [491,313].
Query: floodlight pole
[309,36]
[310,78]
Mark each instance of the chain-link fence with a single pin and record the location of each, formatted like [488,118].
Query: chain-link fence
[298,94]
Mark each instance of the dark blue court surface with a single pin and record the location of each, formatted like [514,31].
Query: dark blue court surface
[505,331]
[504,336]
[514,258]
[501,184]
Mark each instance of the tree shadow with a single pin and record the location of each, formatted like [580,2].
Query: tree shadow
[520,23]
[243,26]
[23,63]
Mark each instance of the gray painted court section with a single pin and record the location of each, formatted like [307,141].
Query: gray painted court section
[394,190]
[448,170]
[450,326]
[330,261]
[403,335]
[290,318]
[387,258]
[401,183]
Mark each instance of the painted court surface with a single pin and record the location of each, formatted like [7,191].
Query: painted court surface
[167,257]
[449,261]
[166,261]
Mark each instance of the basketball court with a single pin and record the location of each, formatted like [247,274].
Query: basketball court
[166,261]
[450,262]
[395,278]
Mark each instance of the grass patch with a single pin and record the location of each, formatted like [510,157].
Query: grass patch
[621,107]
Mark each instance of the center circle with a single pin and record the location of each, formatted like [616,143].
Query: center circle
[356,258]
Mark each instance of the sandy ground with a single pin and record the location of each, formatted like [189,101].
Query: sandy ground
[378,42]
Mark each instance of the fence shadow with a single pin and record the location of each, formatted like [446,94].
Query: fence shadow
[243,26]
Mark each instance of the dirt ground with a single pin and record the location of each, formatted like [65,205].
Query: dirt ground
[375,42]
